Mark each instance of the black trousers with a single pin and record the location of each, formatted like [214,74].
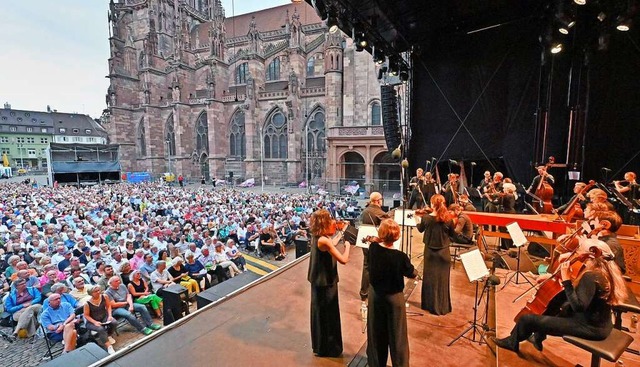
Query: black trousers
[364,281]
[387,330]
[557,326]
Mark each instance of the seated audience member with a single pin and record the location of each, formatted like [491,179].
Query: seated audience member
[51,280]
[23,265]
[223,261]
[147,267]
[207,260]
[125,273]
[234,254]
[59,319]
[63,291]
[22,303]
[197,271]
[181,275]
[32,280]
[98,316]
[122,305]
[79,291]
[137,260]
[104,279]
[161,278]
[142,294]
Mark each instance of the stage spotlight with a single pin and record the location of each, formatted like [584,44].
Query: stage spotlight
[361,40]
[602,16]
[394,65]
[403,74]
[580,2]
[332,24]
[556,48]
[623,24]
[565,25]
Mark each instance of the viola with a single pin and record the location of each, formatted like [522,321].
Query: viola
[550,294]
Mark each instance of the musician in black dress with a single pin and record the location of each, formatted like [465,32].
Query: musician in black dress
[438,228]
[590,296]
[387,320]
[326,331]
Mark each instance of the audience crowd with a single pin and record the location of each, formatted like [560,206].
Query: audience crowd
[74,259]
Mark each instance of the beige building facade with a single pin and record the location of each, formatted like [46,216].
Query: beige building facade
[270,95]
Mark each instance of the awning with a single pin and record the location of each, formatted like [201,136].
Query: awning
[85,167]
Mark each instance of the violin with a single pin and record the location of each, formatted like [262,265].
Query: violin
[338,226]
[548,298]
[370,239]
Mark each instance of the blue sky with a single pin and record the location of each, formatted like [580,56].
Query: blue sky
[55,52]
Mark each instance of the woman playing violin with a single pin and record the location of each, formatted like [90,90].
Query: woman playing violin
[387,318]
[438,228]
[326,332]
[587,313]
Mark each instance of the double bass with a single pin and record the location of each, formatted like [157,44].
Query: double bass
[544,191]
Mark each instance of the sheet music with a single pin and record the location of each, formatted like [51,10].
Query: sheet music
[516,234]
[368,230]
[474,265]
[409,217]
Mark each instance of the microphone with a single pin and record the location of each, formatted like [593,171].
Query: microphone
[397,153]
[473,163]
[405,163]
[606,169]
[493,280]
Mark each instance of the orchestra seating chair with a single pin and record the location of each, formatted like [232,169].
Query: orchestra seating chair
[631,304]
[458,247]
[53,347]
[610,348]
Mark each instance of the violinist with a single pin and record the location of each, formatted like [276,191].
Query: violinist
[326,331]
[587,312]
[451,189]
[492,192]
[464,225]
[387,318]
[484,187]
[629,187]
[372,215]
[542,175]
[418,185]
[466,204]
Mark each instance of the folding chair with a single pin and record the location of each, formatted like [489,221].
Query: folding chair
[51,345]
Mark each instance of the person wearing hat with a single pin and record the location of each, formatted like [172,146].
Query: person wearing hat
[66,261]
[96,256]
[85,255]
[22,304]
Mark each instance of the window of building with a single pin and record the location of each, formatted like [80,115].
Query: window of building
[5,151]
[62,130]
[237,144]
[44,140]
[75,131]
[34,120]
[241,73]
[87,131]
[311,65]
[29,129]
[44,129]
[19,119]
[31,140]
[19,140]
[31,151]
[12,128]
[42,121]
[77,139]
[316,133]
[142,136]
[275,136]
[27,114]
[64,138]
[202,134]
[4,139]
[170,136]
[375,114]
[4,118]
[273,71]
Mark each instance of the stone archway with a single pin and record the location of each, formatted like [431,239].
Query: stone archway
[352,169]
[386,173]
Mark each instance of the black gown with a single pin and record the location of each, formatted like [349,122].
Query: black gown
[326,331]
[437,264]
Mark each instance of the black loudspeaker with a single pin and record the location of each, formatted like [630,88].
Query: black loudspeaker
[223,289]
[230,174]
[390,121]
[83,356]
[302,247]
[539,250]
[174,301]
[396,203]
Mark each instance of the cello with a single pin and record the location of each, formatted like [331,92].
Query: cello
[544,191]
[574,210]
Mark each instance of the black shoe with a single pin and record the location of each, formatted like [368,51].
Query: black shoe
[536,340]
[506,343]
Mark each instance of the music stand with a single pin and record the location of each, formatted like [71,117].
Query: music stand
[476,270]
[369,230]
[519,240]
[407,220]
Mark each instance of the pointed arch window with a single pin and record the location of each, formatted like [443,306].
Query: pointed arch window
[311,65]
[142,144]
[170,136]
[202,134]
[241,73]
[375,114]
[237,143]
[275,136]
[273,70]
[315,131]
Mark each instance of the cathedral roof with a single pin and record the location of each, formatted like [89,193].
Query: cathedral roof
[270,19]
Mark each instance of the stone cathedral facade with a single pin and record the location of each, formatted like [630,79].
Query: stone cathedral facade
[268,94]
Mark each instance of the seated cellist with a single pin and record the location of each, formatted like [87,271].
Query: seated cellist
[587,312]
